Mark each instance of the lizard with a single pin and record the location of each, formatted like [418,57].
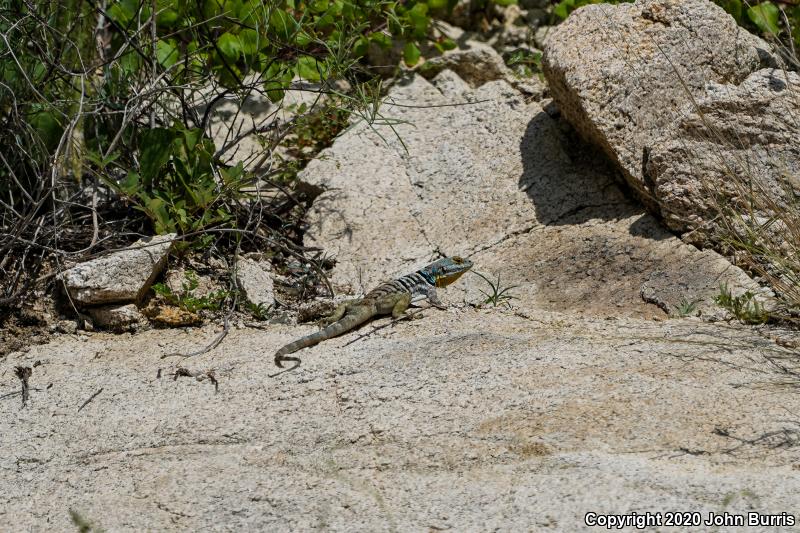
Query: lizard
[389,297]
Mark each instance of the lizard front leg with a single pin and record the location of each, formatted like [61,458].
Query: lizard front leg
[433,298]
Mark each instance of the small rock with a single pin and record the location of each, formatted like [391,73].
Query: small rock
[476,63]
[255,282]
[451,85]
[541,35]
[120,277]
[116,318]
[66,326]
[170,316]
[180,280]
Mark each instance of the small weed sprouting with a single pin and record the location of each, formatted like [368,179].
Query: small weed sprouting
[187,300]
[259,311]
[744,307]
[686,308]
[83,525]
[498,295]
[525,63]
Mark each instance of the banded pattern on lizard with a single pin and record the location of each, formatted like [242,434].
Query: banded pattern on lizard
[390,297]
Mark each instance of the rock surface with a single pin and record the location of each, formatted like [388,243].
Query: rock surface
[469,420]
[623,74]
[120,277]
[499,180]
[738,138]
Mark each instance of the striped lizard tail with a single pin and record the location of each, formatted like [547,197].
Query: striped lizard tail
[343,325]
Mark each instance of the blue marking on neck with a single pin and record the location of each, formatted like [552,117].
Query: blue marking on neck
[428,276]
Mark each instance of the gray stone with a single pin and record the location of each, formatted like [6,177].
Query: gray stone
[243,122]
[622,74]
[123,276]
[737,147]
[117,317]
[255,281]
[473,61]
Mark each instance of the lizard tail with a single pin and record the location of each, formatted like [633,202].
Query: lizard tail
[347,323]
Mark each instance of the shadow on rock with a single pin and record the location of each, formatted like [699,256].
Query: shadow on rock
[568,180]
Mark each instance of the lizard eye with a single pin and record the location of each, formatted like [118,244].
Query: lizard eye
[457,260]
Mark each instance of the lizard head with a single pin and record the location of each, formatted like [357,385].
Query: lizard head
[445,271]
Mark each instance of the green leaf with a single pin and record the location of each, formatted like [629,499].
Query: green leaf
[303,39]
[130,185]
[418,16]
[156,208]
[192,137]
[765,16]
[282,25]
[123,11]
[563,8]
[250,41]
[411,54]
[167,17]
[156,150]
[167,52]
[230,46]
[447,44]
[319,6]
[252,13]
[505,3]
[437,4]
[309,68]
[47,127]
[381,39]
[734,9]
[277,78]
[130,63]
[97,159]
[361,46]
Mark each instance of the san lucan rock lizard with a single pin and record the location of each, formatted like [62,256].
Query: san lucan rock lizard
[390,297]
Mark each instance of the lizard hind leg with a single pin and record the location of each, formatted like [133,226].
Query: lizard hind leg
[401,305]
[337,314]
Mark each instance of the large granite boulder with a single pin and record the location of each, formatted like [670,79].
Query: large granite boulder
[735,148]
[625,75]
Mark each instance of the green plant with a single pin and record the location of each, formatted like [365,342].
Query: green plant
[122,95]
[686,308]
[497,294]
[745,307]
[187,300]
[83,525]
[178,184]
[525,63]
[259,311]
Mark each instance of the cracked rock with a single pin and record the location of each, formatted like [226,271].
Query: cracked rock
[123,276]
